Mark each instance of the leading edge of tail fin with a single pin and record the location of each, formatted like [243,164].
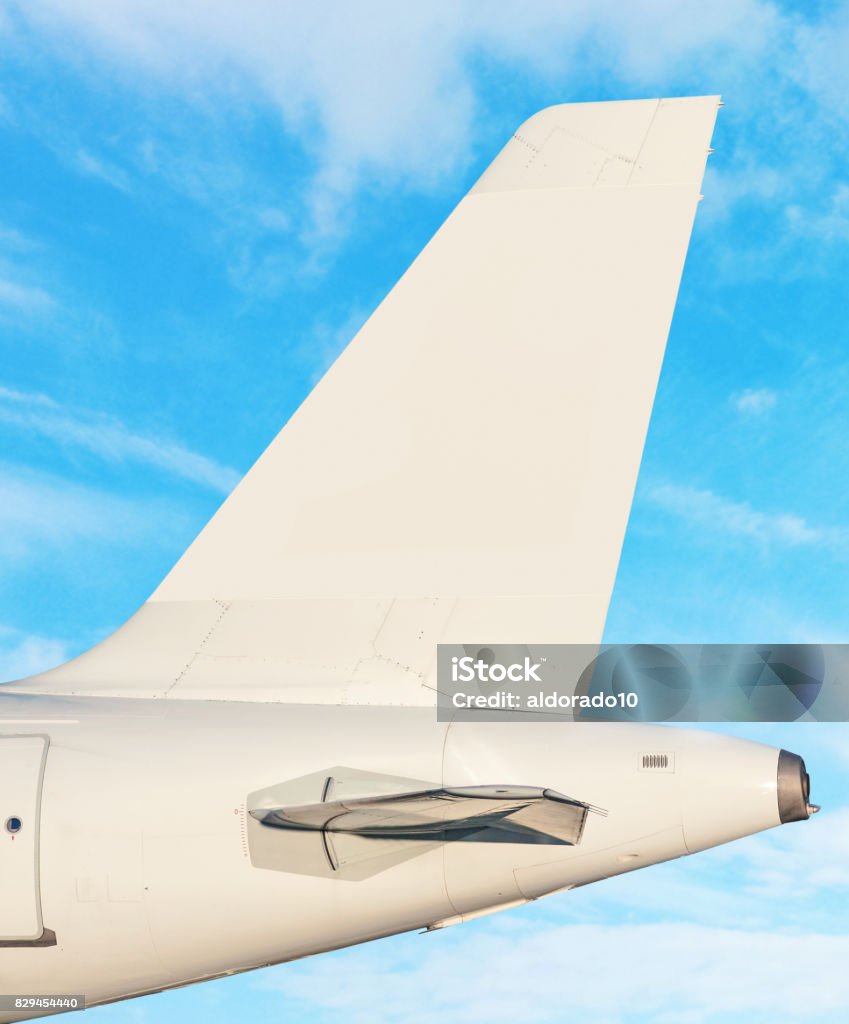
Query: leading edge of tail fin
[466,467]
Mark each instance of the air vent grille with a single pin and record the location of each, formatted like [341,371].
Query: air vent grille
[657,761]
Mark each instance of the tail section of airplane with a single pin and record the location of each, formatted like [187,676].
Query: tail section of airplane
[466,467]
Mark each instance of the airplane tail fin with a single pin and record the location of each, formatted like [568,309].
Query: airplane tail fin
[466,467]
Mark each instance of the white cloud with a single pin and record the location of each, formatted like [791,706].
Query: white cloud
[828,225]
[104,170]
[274,219]
[821,64]
[319,349]
[706,510]
[12,240]
[386,89]
[42,512]
[795,862]
[391,95]
[538,971]
[17,296]
[110,439]
[24,298]
[23,655]
[740,179]
[754,401]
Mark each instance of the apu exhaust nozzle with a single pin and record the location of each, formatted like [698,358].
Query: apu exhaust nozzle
[794,789]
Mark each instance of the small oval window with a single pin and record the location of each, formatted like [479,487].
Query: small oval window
[13,824]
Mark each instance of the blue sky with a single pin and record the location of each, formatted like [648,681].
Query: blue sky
[200,204]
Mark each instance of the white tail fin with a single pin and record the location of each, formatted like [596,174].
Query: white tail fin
[466,467]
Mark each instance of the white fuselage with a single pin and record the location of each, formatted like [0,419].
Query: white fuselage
[144,871]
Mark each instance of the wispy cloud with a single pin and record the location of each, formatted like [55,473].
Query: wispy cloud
[530,971]
[24,298]
[110,439]
[714,513]
[741,181]
[274,219]
[392,95]
[827,225]
[23,654]
[771,868]
[754,401]
[17,294]
[821,66]
[13,240]
[322,345]
[41,511]
[396,98]
[104,170]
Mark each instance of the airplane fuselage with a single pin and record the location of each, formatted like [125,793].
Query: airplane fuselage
[146,869]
